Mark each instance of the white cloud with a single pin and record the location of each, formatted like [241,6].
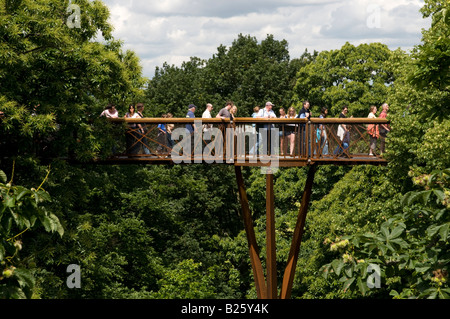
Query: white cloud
[174,30]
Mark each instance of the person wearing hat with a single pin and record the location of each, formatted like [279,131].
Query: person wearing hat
[266,113]
[190,114]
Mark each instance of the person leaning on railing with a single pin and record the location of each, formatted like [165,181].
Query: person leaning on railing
[267,113]
[384,128]
[283,146]
[162,137]
[343,134]
[304,113]
[290,130]
[322,136]
[132,134]
[143,129]
[170,128]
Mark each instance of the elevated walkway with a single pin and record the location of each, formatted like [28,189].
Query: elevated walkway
[266,143]
[247,142]
[269,143]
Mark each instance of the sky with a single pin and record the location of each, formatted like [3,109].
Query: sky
[172,31]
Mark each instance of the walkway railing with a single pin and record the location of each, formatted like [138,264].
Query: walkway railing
[250,141]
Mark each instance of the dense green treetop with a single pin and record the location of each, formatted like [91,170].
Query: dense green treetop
[248,72]
[353,76]
[67,73]
[176,232]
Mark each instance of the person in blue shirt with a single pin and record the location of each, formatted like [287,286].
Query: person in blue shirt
[191,127]
[304,113]
[162,137]
[190,114]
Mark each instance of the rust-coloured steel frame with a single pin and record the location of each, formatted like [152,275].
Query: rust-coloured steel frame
[289,272]
[271,255]
[258,273]
[269,288]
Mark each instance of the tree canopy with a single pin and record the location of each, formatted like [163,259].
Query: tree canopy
[350,76]
[248,73]
[66,75]
[140,231]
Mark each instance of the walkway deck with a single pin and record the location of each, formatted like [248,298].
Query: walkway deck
[268,143]
[253,142]
[247,142]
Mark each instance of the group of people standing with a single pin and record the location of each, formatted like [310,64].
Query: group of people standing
[136,135]
[378,132]
[375,131]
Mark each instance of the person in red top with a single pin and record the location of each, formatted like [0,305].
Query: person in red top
[384,128]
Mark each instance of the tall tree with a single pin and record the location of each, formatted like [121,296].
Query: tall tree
[248,73]
[352,76]
[432,58]
[63,71]
[410,247]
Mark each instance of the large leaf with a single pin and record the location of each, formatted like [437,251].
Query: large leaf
[3,177]
[443,231]
[337,265]
[362,286]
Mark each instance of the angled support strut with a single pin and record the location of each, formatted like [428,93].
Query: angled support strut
[289,271]
[258,273]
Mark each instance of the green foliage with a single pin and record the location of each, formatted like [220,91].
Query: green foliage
[21,209]
[351,76]
[432,56]
[248,73]
[176,231]
[431,71]
[411,248]
[66,75]
[188,281]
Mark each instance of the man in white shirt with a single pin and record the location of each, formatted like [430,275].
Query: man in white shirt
[266,112]
[265,129]
[207,115]
[207,127]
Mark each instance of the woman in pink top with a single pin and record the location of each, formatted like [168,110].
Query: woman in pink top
[384,128]
[373,131]
[110,111]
